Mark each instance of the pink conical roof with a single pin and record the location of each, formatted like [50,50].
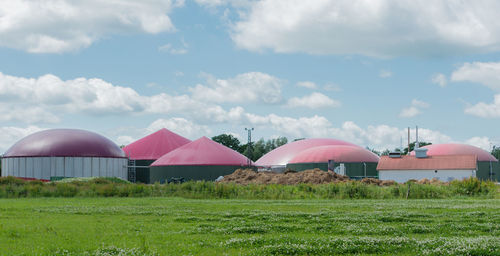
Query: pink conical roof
[458,149]
[155,145]
[202,151]
[337,153]
[283,154]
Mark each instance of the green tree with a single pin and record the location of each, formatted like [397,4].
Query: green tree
[385,152]
[229,141]
[496,152]
[376,152]
[412,146]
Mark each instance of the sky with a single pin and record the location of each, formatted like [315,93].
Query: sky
[362,71]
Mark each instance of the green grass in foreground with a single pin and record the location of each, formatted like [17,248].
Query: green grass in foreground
[11,187]
[177,226]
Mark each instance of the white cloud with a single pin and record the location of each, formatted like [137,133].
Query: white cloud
[415,108]
[247,87]
[410,112]
[175,51]
[439,79]
[314,100]
[41,26]
[307,84]
[169,49]
[485,110]
[332,87]
[419,103]
[385,74]
[10,135]
[381,28]
[480,142]
[181,126]
[485,73]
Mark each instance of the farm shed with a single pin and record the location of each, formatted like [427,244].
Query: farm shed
[353,161]
[488,167]
[143,152]
[444,168]
[278,158]
[57,153]
[202,159]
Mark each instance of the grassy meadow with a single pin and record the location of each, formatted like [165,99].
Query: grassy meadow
[180,226]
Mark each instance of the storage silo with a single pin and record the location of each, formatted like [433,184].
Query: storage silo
[488,167]
[277,159]
[202,159]
[59,153]
[353,161]
[143,152]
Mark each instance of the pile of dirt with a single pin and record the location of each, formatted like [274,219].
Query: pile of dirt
[378,182]
[315,176]
[433,181]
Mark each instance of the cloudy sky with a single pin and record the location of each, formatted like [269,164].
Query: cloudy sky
[357,70]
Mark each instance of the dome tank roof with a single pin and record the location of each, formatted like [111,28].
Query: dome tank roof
[202,151]
[65,143]
[458,149]
[337,153]
[283,154]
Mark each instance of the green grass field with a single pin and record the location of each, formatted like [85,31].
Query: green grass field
[177,226]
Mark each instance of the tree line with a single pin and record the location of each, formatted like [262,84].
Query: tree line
[255,150]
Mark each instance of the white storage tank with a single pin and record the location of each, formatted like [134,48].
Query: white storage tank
[58,153]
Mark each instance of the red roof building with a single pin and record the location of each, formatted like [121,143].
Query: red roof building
[154,145]
[454,162]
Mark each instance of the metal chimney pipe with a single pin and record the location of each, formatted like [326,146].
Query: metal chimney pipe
[417,145]
[408,153]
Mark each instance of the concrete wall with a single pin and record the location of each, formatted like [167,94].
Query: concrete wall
[47,167]
[442,175]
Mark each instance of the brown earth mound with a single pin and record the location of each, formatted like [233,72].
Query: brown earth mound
[314,176]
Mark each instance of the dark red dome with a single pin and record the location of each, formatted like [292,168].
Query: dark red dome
[65,142]
[283,154]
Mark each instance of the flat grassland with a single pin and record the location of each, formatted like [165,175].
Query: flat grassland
[177,226]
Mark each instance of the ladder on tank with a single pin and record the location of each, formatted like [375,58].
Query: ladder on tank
[131,170]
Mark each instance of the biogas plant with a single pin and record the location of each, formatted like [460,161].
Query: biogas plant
[165,156]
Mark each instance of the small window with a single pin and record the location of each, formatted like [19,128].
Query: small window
[435,171]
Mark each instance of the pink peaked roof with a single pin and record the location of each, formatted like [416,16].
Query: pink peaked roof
[450,162]
[155,145]
[283,154]
[337,153]
[458,149]
[202,151]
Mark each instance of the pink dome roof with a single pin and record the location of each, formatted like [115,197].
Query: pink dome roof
[65,143]
[337,153]
[202,151]
[283,154]
[458,149]
[155,145]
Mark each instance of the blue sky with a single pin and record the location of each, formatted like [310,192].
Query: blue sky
[361,71]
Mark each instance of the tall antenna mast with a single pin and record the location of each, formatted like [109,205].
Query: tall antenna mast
[249,147]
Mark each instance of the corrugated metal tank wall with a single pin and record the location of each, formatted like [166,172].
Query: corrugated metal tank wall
[50,167]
